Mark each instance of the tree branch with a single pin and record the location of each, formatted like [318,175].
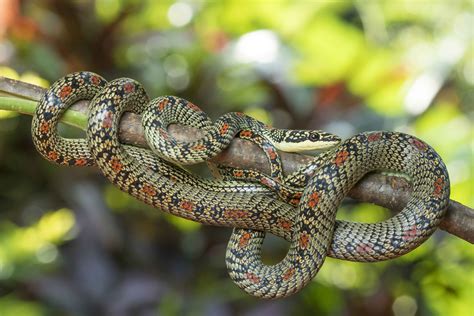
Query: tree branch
[388,191]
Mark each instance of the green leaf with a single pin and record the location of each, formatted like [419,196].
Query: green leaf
[331,51]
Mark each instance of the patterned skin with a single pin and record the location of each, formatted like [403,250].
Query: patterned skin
[311,227]
[167,110]
[335,174]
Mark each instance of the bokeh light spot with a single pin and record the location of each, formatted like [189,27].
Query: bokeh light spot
[180,14]
[404,306]
[257,47]
[47,253]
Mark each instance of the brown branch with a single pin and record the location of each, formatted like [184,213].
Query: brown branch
[388,191]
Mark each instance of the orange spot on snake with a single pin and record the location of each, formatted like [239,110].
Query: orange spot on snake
[418,144]
[116,165]
[244,240]
[187,205]
[236,214]
[374,137]
[286,225]
[271,153]
[128,87]
[341,157]
[238,173]
[80,162]
[252,277]
[44,127]
[199,147]
[193,106]
[363,248]
[438,187]
[294,201]
[246,133]
[410,234]
[304,241]
[148,190]
[95,80]
[65,91]
[288,274]
[53,155]
[313,199]
[224,128]
[163,104]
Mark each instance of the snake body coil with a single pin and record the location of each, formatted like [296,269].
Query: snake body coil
[311,227]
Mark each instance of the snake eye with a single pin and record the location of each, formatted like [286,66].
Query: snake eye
[314,137]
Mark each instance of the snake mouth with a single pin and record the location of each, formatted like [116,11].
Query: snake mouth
[307,145]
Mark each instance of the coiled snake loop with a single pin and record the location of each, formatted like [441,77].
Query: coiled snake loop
[311,228]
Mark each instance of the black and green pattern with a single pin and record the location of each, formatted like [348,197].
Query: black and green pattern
[311,227]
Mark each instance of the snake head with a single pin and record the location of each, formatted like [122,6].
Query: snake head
[304,140]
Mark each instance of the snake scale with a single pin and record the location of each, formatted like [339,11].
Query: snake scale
[310,227]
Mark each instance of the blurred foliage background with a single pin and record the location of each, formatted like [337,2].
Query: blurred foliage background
[71,244]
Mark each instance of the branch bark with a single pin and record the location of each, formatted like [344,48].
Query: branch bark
[388,191]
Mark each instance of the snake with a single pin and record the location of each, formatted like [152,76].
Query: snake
[218,135]
[310,227]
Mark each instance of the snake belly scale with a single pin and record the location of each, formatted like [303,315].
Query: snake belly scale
[311,228]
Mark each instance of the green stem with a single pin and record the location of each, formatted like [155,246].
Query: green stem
[23,106]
